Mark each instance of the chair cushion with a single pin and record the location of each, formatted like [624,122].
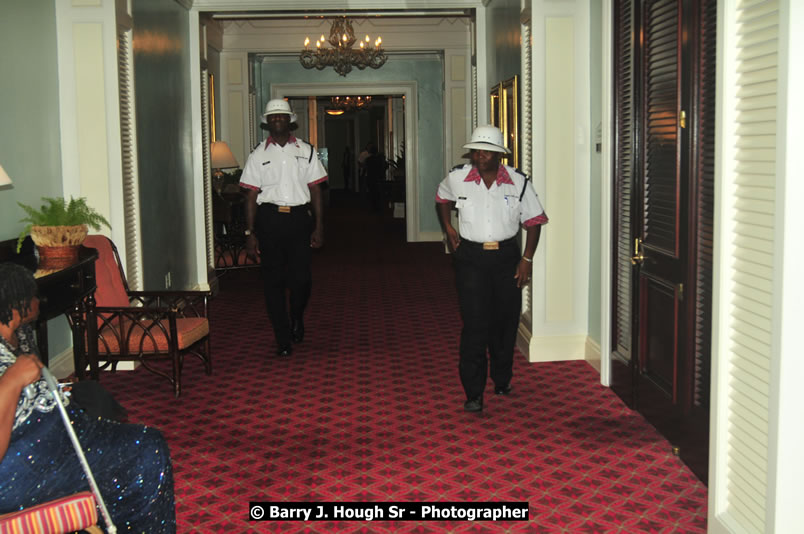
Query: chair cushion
[190,330]
[68,514]
[111,291]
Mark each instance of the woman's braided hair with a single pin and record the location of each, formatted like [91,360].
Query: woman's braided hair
[17,290]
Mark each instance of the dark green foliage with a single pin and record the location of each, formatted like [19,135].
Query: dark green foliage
[59,212]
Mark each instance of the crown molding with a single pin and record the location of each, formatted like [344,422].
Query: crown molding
[310,6]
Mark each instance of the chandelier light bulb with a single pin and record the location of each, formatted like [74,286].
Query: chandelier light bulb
[361,44]
[306,42]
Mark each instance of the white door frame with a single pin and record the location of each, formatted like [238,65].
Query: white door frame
[409,91]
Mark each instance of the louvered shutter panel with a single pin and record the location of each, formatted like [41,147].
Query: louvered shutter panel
[660,112]
[128,145]
[705,204]
[624,67]
[751,250]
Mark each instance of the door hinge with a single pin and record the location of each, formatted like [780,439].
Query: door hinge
[682,119]
[680,289]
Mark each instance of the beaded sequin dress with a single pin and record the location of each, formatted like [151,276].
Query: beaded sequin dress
[130,463]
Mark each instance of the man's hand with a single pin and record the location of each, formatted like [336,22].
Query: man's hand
[453,239]
[523,272]
[317,237]
[252,248]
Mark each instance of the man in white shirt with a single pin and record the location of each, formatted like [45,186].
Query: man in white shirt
[282,177]
[493,201]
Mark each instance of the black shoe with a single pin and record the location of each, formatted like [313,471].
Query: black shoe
[503,390]
[284,350]
[473,405]
[297,331]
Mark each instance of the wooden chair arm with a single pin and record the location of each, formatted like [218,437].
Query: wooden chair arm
[187,303]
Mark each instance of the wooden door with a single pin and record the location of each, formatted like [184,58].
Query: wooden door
[664,71]
[660,244]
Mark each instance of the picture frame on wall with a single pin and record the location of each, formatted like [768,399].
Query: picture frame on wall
[509,116]
[495,106]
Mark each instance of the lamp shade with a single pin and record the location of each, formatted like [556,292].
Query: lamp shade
[4,179]
[222,157]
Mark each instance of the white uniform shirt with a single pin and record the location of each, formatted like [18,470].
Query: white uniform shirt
[283,174]
[495,213]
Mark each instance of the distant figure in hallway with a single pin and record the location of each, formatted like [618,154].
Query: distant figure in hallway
[361,168]
[284,221]
[375,177]
[493,201]
[346,167]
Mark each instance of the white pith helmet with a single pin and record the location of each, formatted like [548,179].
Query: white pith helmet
[487,138]
[278,106]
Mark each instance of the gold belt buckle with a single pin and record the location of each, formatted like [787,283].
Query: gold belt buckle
[491,245]
[284,209]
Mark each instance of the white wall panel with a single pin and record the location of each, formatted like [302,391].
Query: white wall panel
[559,153]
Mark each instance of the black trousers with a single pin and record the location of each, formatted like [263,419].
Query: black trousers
[285,259]
[490,304]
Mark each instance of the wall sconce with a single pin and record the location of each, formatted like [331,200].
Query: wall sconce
[4,179]
[222,158]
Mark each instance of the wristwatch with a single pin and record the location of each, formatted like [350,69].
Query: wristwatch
[247,232]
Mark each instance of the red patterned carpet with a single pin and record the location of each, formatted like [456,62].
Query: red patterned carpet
[369,408]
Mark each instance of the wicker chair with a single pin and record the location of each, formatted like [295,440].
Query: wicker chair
[145,326]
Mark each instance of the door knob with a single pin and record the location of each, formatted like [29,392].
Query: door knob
[638,256]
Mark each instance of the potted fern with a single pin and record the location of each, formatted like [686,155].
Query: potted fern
[58,228]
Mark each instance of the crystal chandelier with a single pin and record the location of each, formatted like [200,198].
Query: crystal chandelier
[342,55]
[348,103]
[341,104]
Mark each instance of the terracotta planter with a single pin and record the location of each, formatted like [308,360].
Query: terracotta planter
[58,245]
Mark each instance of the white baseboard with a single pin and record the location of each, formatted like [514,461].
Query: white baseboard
[553,348]
[62,365]
[430,236]
[592,353]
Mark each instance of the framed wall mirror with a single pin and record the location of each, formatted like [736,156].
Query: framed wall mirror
[509,114]
[495,106]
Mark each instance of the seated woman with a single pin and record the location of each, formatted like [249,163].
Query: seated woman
[130,463]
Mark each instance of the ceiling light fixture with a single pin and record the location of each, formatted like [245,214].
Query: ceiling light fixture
[342,55]
[348,103]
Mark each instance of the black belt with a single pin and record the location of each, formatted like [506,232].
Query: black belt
[285,209]
[488,245]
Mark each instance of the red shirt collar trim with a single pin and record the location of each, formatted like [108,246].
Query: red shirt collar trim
[502,176]
[270,140]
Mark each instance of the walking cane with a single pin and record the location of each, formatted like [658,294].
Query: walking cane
[54,389]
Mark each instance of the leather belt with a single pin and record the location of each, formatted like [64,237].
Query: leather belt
[284,209]
[489,245]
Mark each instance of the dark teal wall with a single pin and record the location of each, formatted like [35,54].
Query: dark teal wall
[504,54]
[30,142]
[164,142]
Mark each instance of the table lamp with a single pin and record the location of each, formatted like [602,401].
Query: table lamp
[222,158]
[4,179]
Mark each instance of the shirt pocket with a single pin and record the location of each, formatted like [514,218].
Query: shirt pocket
[466,210]
[511,209]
